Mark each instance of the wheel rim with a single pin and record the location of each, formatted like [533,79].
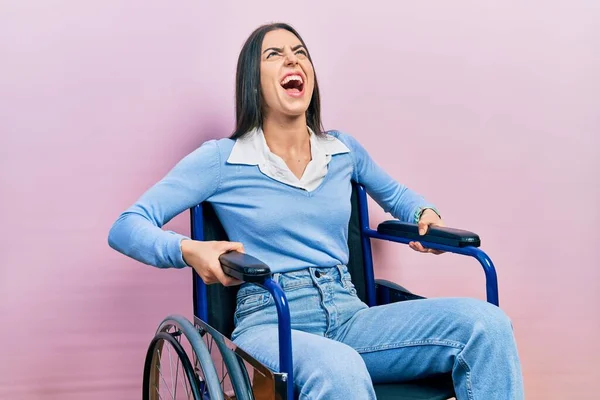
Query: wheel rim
[170,375]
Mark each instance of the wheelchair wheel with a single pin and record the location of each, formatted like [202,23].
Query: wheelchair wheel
[169,373]
[233,374]
[174,378]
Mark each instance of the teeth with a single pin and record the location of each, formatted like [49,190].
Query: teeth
[290,78]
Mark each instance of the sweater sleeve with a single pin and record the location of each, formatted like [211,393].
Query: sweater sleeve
[395,198]
[137,232]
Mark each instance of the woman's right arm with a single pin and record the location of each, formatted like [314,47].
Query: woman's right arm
[137,232]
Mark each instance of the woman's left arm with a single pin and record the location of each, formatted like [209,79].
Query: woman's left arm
[395,198]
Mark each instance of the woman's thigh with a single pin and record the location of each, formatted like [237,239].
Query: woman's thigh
[323,368]
[417,338]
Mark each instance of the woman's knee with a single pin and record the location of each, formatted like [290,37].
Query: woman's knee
[340,373]
[485,318]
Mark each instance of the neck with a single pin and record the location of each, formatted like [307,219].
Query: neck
[286,134]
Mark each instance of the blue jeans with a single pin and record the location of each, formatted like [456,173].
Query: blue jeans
[341,346]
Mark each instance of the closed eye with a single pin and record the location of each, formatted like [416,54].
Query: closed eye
[277,51]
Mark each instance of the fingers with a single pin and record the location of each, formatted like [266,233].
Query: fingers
[204,259]
[231,246]
[416,246]
[423,226]
[429,217]
[230,281]
[223,278]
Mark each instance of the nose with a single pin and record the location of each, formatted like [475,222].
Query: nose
[290,57]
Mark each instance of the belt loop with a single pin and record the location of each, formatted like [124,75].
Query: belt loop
[276,276]
[340,272]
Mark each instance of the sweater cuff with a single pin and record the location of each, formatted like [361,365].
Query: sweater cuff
[174,249]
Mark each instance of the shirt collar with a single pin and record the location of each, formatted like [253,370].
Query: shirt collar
[252,149]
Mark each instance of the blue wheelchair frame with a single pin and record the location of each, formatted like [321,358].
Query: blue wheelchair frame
[283,312]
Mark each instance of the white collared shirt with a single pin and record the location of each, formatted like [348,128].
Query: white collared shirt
[252,149]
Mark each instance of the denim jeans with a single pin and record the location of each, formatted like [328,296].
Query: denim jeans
[340,346]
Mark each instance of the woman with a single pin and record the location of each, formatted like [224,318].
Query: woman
[281,188]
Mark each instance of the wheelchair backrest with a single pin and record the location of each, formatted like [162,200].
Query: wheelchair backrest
[218,302]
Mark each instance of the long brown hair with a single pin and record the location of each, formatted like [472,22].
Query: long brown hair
[248,97]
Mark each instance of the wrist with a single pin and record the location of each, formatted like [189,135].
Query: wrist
[184,247]
[424,211]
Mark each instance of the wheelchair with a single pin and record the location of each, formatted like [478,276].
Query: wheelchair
[197,360]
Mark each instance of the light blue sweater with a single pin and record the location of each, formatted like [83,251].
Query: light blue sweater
[286,227]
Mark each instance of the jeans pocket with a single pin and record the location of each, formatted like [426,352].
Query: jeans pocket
[252,303]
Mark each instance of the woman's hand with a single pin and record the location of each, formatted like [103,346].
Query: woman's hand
[428,218]
[204,258]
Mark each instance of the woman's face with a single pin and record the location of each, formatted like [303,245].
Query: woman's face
[286,75]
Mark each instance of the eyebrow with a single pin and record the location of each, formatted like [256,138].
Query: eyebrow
[279,49]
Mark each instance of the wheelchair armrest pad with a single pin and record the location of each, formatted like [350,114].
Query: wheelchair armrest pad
[440,235]
[244,267]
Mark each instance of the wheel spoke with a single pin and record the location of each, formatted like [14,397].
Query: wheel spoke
[171,372]
[185,367]
[163,379]
[177,335]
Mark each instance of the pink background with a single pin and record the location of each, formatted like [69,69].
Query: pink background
[489,108]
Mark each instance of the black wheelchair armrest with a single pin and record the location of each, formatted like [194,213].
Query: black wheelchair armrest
[244,267]
[441,235]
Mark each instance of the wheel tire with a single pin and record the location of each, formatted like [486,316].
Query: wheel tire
[152,368]
[210,385]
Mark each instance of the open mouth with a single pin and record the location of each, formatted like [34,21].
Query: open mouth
[293,84]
